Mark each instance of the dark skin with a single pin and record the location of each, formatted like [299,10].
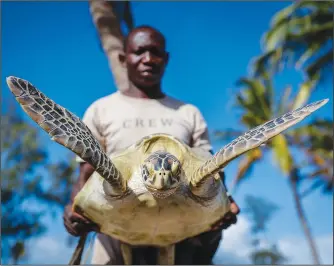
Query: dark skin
[76,224]
[145,58]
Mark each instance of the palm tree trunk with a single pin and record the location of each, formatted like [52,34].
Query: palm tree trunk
[302,218]
[108,25]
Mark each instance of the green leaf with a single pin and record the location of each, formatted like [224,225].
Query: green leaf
[284,101]
[246,166]
[227,135]
[299,34]
[17,251]
[282,15]
[275,37]
[282,153]
[257,101]
[303,94]
[314,68]
[312,50]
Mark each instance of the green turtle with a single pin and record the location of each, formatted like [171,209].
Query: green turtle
[156,192]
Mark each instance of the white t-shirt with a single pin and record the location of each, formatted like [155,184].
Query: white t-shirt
[118,121]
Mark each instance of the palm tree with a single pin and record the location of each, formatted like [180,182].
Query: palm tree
[260,212]
[316,140]
[258,105]
[301,34]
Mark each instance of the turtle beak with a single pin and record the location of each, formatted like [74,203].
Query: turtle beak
[162,181]
[161,184]
[161,194]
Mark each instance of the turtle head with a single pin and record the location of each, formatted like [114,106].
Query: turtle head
[161,174]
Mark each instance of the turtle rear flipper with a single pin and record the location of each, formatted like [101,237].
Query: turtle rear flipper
[252,139]
[66,129]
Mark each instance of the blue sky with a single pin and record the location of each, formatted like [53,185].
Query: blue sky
[54,45]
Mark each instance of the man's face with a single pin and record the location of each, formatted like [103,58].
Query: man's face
[145,57]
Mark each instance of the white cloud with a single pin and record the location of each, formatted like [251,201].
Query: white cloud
[296,249]
[235,247]
[49,249]
[54,248]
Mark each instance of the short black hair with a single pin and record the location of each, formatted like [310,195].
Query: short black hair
[142,27]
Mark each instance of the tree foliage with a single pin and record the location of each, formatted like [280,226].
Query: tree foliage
[302,35]
[257,104]
[31,185]
[260,212]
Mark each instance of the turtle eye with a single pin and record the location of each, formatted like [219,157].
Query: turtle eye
[168,164]
[157,163]
[144,172]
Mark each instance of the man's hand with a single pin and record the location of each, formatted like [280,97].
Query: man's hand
[229,218]
[76,224]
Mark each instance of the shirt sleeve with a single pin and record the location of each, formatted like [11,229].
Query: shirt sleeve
[200,136]
[91,119]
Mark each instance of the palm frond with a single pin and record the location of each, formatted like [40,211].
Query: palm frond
[246,166]
[299,33]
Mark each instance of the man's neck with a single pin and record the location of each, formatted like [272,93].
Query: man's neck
[149,93]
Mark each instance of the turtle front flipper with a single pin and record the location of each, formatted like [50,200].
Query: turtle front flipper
[66,129]
[250,140]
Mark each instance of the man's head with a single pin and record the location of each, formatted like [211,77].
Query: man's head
[145,56]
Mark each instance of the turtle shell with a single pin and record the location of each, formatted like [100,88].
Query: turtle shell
[139,218]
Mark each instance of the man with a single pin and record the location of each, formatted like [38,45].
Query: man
[121,119]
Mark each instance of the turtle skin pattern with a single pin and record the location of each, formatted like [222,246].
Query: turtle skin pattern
[141,218]
[64,127]
[252,139]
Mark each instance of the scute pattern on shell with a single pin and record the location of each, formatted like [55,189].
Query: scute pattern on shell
[138,218]
[64,127]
